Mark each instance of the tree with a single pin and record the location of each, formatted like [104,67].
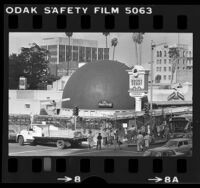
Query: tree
[138,39]
[106,35]
[15,71]
[68,34]
[174,55]
[33,65]
[114,43]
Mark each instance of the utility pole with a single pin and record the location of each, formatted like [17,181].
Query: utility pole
[75,123]
[152,53]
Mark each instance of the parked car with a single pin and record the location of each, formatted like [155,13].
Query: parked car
[183,145]
[161,152]
[12,135]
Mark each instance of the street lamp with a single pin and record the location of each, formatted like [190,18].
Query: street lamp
[153,45]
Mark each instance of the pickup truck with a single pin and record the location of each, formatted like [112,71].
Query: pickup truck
[41,134]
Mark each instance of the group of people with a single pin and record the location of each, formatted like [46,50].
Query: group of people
[142,136]
[106,138]
[143,142]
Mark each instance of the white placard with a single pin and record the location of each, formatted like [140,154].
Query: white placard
[124,125]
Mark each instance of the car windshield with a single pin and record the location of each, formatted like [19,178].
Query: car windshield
[171,144]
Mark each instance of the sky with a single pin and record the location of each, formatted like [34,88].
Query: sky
[124,52]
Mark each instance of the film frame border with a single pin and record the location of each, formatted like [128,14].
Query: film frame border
[163,167]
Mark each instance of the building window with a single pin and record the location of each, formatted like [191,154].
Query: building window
[170,69]
[94,54]
[27,105]
[160,69]
[106,53]
[88,54]
[68,53]
[183,68]
[61,53]
[75,53]
[158,53]
[100,53]
[169,77]
[165,61]
[157,69]
[165,77]
[160,61]
[165,69]
[165,54]
[52,53]
[82,54]
[170,61]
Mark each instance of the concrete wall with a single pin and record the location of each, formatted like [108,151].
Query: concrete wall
[184,76]
[35,94]
[20,106]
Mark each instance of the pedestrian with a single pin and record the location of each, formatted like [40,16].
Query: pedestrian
[112,135]
[90,140]
[139,142]
[143,130]
[116,140]
[107,137]
[148,130]
[158,130]
[104,135]
[99,138]
[166,133]
[146,141]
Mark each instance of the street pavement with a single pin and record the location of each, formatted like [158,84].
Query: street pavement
[51,150]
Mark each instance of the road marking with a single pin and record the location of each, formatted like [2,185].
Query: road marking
[32,151]
[101,151]
[130,151]
[86,152]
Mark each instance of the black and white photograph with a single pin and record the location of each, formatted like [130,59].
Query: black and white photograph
[100,94]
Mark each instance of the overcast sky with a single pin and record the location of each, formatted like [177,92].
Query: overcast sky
[124,52]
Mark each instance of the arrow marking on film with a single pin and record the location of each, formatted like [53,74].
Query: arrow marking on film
[66,179]
[156,179]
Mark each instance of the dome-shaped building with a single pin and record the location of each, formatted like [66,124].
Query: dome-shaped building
[99,82]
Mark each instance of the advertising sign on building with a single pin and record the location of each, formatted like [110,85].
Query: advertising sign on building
[138,81]
[105,104]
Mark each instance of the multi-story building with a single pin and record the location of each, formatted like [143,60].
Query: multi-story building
[162,69]
[65,56]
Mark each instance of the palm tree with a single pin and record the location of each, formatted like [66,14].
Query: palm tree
[114,43]
[106,35]
[138,39]
[174,55]
[68,34]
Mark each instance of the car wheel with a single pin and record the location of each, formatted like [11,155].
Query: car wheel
[21,140]
[60,144]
